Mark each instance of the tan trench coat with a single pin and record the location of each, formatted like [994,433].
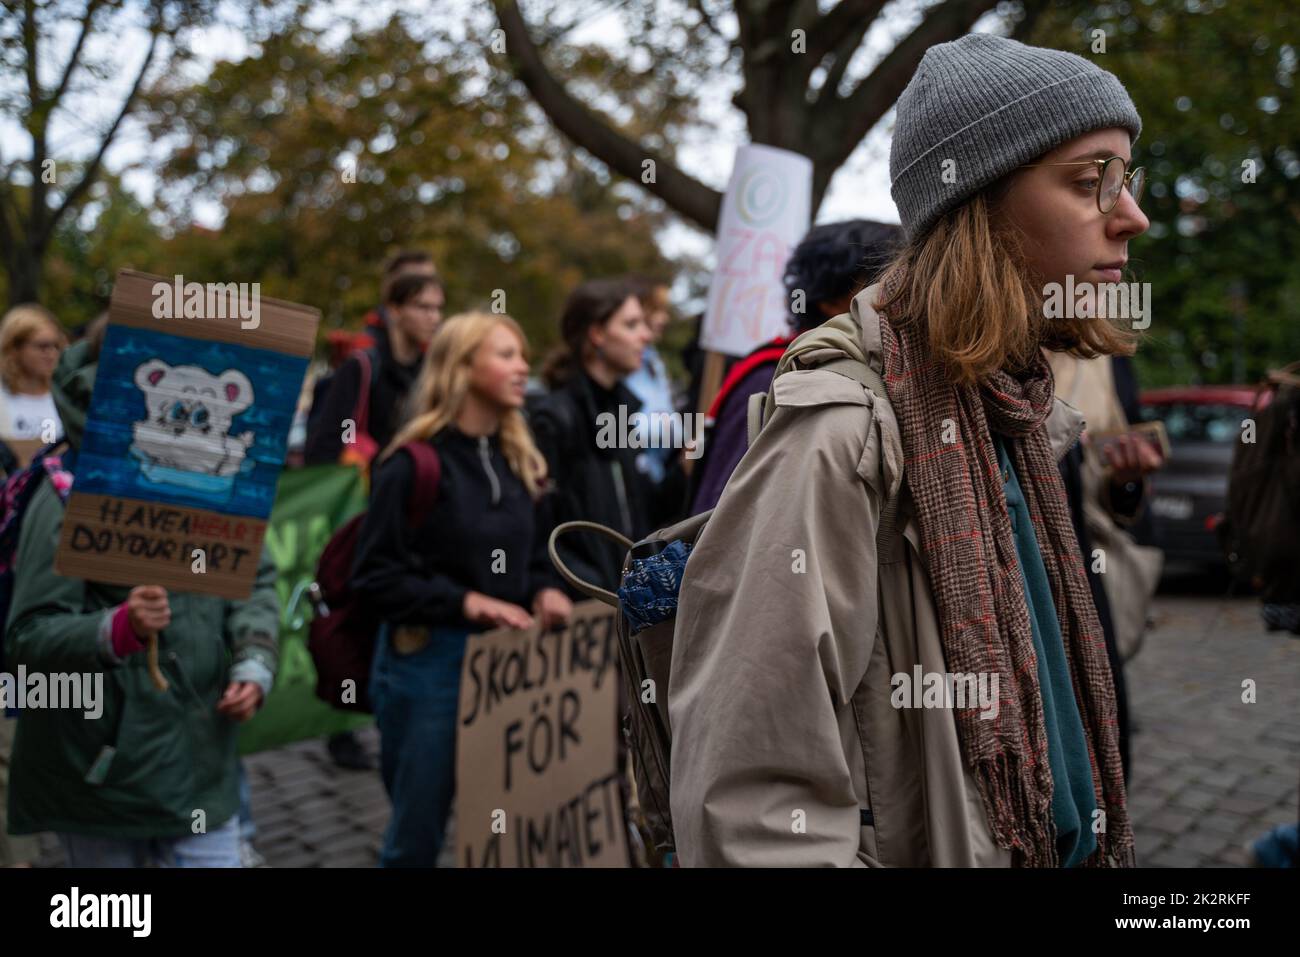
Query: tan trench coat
[790,627]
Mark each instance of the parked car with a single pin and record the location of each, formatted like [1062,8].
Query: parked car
[1187,497]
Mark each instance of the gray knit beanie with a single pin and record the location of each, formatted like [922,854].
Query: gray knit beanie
[989,105]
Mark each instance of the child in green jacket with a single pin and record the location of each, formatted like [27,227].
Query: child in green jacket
[147,776]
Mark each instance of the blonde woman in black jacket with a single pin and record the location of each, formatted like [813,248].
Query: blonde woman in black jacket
[476,561]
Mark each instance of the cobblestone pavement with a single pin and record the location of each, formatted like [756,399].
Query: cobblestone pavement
[310,813]
[1210,772]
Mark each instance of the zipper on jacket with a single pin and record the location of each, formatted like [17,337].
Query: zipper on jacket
[485,456]
[621,491]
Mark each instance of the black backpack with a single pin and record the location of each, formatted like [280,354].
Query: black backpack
[1260,532]
[369,360]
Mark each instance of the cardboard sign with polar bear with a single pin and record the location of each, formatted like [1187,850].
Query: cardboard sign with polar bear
[184,443]
[185,437]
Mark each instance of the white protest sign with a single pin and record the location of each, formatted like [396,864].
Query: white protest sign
[765,212]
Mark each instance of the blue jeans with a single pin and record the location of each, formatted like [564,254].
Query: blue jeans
[1280,847]
[216,848]
[247,827]
[415,699]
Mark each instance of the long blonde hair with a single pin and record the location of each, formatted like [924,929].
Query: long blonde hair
[443,384]
[18,325]
[967,280]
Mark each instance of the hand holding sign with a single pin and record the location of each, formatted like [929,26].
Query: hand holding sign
[552,608]
[147,610]
[537,780]
[149,613]
[482,610]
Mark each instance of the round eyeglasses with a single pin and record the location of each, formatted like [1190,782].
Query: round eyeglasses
[1112,177]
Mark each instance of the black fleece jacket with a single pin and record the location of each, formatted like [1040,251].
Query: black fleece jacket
[483,534]
[595,484]
[390,384]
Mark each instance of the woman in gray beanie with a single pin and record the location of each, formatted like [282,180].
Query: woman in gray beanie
[886,650]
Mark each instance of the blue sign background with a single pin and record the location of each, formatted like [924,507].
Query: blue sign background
[105,463]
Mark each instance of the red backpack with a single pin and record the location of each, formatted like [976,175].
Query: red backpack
[341,638]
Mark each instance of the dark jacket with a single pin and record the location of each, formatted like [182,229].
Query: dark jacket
[390,384]
[484,533]
[595,484]
[175,753]
[729,437]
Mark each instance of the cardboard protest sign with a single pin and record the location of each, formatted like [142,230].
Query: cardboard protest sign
[536,759]
[765,212]
[185,437]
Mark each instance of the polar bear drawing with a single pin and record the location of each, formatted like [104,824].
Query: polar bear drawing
[188,412]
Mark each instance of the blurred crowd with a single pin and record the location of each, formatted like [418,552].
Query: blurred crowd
[517,455]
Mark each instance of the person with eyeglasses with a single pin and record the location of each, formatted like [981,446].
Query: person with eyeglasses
[413,304]
[886,650]
[410,314]
[31,340]
[1106,176]
[399,329]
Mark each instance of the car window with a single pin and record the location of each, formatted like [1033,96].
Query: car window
[1197,422]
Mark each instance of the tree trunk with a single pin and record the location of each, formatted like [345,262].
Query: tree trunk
[25,269]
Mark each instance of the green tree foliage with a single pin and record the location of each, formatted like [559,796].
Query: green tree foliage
[327,156]
[113,230]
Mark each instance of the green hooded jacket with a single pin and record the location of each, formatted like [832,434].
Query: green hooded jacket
[175,755]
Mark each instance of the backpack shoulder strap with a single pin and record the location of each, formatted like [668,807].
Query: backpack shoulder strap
[361,412]
[859,371]
[754,417]
[764,354]
[871,379]
[428,476]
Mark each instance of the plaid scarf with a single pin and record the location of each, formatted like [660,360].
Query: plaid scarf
[970,554]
